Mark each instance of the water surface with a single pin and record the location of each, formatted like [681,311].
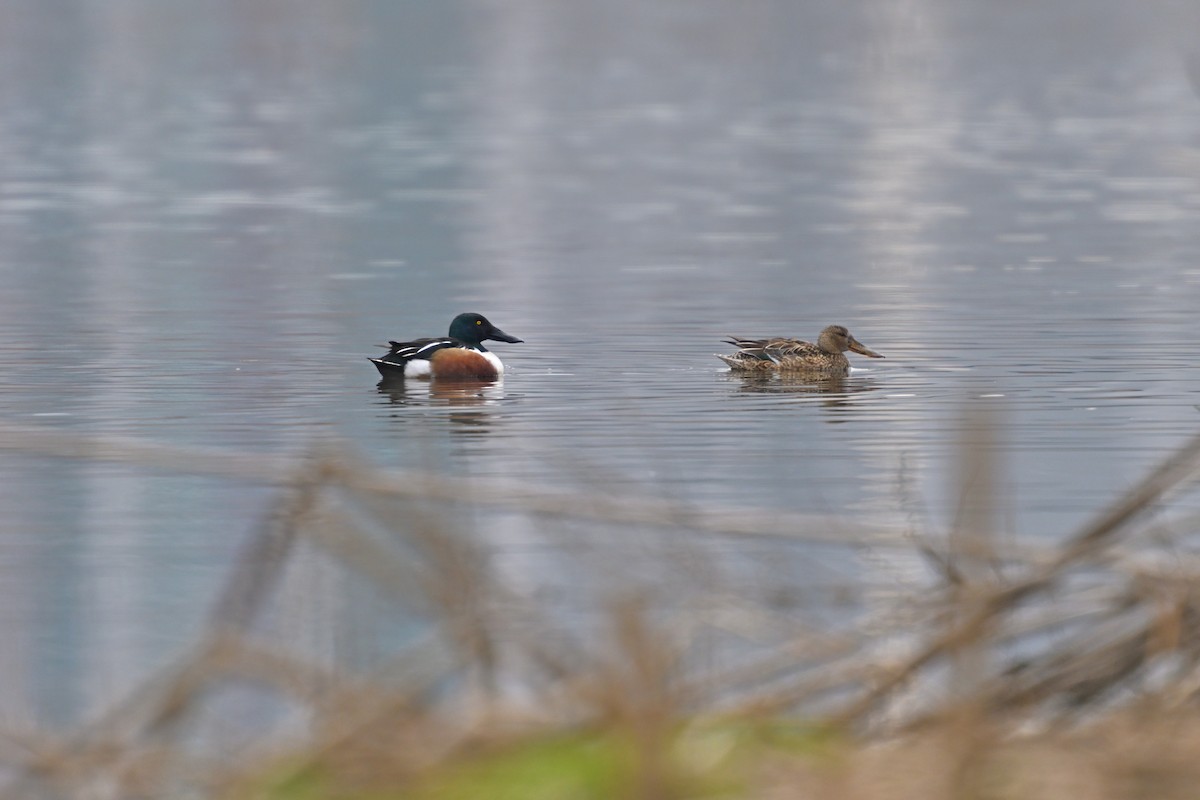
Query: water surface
[210,215]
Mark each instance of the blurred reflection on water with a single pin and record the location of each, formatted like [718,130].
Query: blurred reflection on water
[209,215]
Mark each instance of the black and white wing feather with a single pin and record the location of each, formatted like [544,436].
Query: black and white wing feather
[418,349]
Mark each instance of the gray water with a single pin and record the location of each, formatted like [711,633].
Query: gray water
[211,213]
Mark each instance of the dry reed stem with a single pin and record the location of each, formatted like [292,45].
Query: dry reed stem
[258,569]
[350,473]
[638,681]
[99,750]
[1179,467]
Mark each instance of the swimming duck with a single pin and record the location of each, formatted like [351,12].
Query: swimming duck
[792,355]
[461,355]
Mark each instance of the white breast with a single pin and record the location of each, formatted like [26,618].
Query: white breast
[495,360]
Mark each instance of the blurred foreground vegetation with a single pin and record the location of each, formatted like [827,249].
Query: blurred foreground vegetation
[661,663]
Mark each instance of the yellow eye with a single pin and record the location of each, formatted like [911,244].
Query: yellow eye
[478,322]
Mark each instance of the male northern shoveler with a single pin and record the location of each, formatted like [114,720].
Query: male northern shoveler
[460,355]
[792,355]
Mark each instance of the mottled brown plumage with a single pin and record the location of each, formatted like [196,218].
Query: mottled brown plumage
[779,354]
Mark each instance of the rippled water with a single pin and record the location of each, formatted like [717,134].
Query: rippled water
[209,216]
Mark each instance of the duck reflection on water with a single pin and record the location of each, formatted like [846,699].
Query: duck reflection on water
[467,401]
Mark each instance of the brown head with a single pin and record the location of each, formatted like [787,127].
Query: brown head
[836,339]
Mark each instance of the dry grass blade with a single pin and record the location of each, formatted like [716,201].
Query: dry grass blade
[1092,538]
[686,616]
[257,570]
[351,473]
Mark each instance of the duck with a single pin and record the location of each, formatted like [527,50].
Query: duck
[783,355]
[460,355]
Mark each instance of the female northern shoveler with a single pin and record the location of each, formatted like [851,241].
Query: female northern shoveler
[792,355]
[460,355]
